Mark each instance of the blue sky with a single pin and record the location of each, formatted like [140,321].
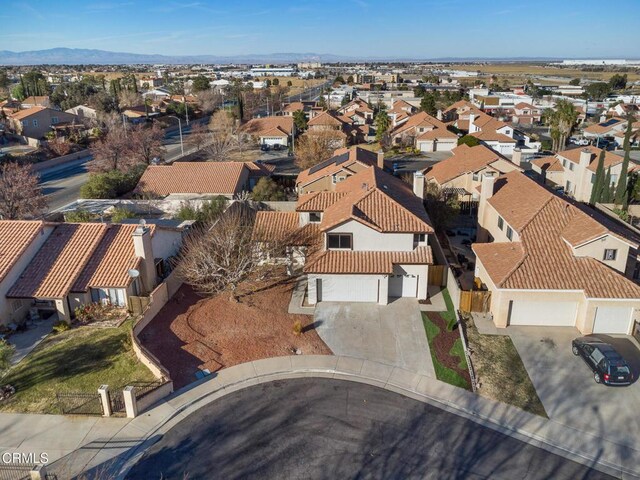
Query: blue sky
[380,28]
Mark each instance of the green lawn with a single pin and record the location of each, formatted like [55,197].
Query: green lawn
[78,360]
[444,373]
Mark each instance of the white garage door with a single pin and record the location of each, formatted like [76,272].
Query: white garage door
[425,146]
[348,288]
[612,320]
[274,140]
[553,314]
[403,285]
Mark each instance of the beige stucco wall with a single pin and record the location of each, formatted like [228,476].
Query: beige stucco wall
[421,271]
[7,315]
[365,238]
[488,221]
[596,248]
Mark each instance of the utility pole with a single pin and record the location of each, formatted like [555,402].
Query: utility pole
[180,127]
[186,111]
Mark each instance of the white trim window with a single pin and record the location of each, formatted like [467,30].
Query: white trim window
[610,254]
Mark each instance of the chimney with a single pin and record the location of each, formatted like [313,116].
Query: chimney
[488,183]
[418,184]
[517,156]
[380,159]
[585,157]
[142,247]
[472,117]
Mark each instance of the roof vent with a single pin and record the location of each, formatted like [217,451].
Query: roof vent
[365,186]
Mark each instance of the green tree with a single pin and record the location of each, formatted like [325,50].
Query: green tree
[289,83]
[300,120]
[428,104]
[266,190]
[18,92]
[119,214]
[597,91]
[469,140]
[276,82]
[80,215]
[4,81]
[618,82]
[382,123]
[622,191]
[267,83]
[200,83]
[111,184]
[574,81]
[339,79]
[598,183]
[350,79]
[607,196]
[561,121]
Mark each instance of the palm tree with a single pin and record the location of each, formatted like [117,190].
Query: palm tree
[561,122]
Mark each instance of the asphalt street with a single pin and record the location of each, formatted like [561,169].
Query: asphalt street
[316,428]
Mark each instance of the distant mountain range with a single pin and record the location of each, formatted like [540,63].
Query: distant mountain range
[77,56]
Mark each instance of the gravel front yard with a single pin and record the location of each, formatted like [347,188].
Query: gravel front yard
[192,332]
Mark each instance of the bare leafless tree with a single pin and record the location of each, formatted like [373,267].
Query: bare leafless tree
[220,257]
[145,143]
[129,98]
[223,138]
[59,146]
[209,101]
[314,147]
[199,136]
[20,194]
[111,152]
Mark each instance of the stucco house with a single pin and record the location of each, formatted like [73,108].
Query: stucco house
[550,262]
[54,268]
[270,130]
[372,240]
[201,179]
[462,173]
[35,122]
[424,132]
[345,162]
[575,170]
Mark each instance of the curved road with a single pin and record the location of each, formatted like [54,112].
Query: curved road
[322,428]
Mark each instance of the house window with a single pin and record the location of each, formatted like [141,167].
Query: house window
[610,254]
[314,217]
[419,237]
[54,120]
[571,166]
[564,162]
[593,178]
[509,233]
[334,179]
[339,241]
[500,223]
[567,187]
[108,296]
[35,123]
[476,176]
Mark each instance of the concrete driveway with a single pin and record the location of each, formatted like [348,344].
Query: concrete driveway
[566,387]
[392,334]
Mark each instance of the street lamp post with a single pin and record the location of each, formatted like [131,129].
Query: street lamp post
[179,127]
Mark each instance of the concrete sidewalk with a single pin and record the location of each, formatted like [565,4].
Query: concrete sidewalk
[111,446]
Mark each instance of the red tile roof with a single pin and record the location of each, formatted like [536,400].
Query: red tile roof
[15,238]
[365,262]
[215,178]
[465,160]
[59,262]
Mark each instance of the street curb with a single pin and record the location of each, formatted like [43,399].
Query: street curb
[273,369]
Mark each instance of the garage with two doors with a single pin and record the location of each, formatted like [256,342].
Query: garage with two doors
[608,319]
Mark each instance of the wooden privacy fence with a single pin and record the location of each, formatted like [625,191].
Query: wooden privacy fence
[475,301]
[437,275]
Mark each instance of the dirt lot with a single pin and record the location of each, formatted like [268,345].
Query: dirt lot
[192,333]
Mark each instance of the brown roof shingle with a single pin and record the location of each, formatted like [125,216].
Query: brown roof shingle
[465,159]
[59,262]
[15,237]
[366,262]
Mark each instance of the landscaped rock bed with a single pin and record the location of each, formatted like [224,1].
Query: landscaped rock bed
[443,343]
